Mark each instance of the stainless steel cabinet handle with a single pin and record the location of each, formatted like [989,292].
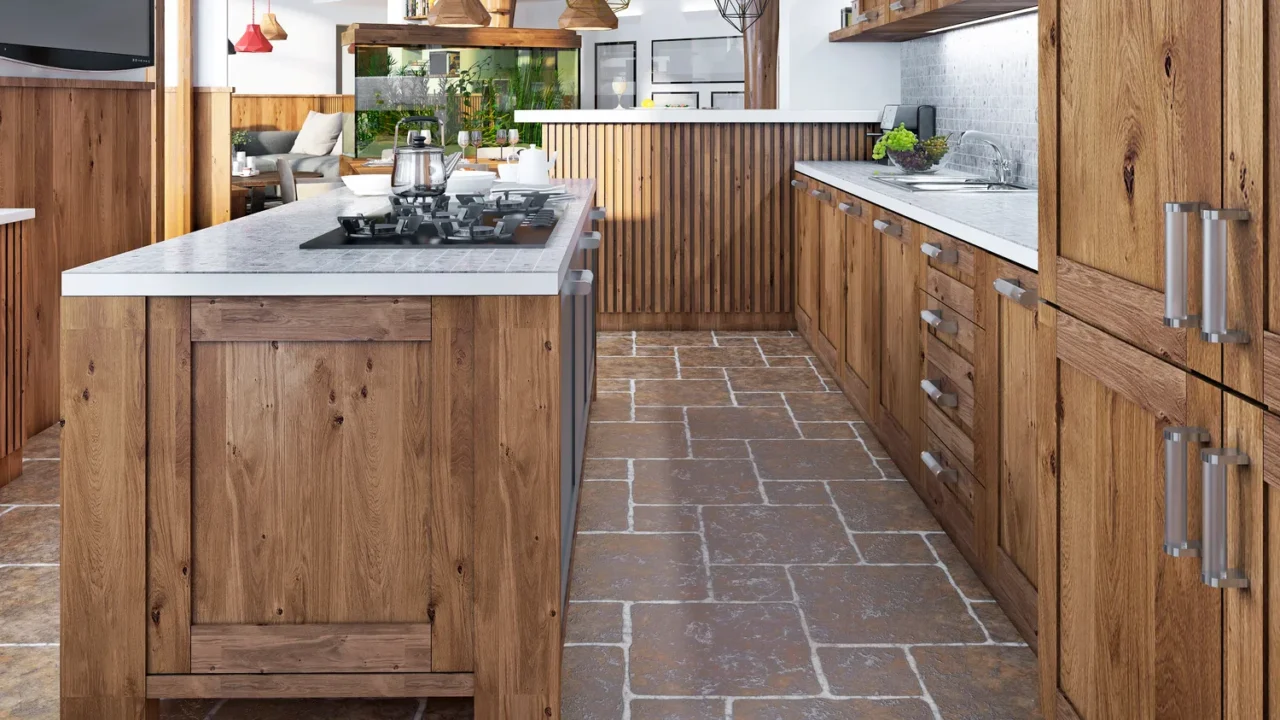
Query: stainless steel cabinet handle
[866,17]
[1213,559]
[599,213]
[1013,290]
[943,255]
[850,209]
[940,398]
[887,228]
[902,5]
[800,184]
[1176,439]
[937,469]
[581,282]
[822,195]
[939,323]
[1175,263]
[1213,310]
[589,241]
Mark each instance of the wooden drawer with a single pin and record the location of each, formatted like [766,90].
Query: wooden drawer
[962,484]
[952,376]
[895,226]
[950,256]
[952,292]
[952,329]
[954,497]
[950,433]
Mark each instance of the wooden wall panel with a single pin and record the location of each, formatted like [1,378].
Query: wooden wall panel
[79,152]
[12,429]
[283,112]
[699,215]
[209,184]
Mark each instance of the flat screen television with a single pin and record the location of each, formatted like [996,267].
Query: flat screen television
[79,34]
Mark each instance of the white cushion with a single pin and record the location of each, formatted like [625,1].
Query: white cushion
[337,146]
[319,134]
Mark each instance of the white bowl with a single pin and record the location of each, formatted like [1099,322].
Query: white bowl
[471,182]
[368,184]
[507,172]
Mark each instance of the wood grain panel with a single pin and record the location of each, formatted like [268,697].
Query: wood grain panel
[1132,313]
[169,485]
[700,216]
[103,574]
[452,521]
[517,441]
[282,112]
[862,311]
[73,186]
[312,319]
[410,34]
[199,195]
[1244,612]
[311,648]
[12,428]
[1017,436]
[1142,379]
[924,18]
[952,292]
[901,354]
[309,488]
[398,685]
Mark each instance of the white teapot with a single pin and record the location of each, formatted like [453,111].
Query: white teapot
[535,166]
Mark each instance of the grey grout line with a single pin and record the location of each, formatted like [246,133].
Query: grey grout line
[844,523]
[631,495]
[928,698]
[963,598]
[804,626]
[26,565]
[626,661]
[214,710]
[27,645]
[706,555]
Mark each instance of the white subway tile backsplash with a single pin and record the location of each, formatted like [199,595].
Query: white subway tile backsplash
[980,78]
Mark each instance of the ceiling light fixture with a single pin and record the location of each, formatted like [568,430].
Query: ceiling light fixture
[742,14]
[253,41]
[271,29]
[458,14]
[588,16]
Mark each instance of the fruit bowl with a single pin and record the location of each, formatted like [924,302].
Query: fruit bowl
[916,161]
[910,154]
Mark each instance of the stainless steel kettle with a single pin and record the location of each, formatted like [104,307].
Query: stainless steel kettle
[417,167]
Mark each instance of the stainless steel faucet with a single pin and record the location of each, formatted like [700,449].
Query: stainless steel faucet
[1004,159]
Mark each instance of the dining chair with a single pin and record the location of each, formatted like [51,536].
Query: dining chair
[288,184]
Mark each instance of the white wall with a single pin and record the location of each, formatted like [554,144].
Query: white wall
[306,63]
[815,74]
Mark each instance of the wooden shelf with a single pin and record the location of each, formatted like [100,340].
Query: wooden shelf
[399,35]
[938,15]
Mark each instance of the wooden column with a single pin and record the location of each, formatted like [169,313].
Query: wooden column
[156,75]
[181,131]
[761,53]
[502,13]
[12,426]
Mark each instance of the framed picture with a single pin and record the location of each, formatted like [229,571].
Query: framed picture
[615,75]
[444,63]
[728,100]
[676,99]
[698,60]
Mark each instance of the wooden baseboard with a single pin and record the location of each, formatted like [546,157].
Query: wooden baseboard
[614,322]
[347,685]
[10,467]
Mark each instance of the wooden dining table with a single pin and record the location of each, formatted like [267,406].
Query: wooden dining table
[257,185]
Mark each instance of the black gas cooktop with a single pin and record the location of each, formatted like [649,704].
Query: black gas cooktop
[524,220]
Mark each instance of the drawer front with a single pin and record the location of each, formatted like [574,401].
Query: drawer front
[895,226]
[948,363]
[951,401]
[954,478]
[950,291]
[950,433]
[951,257]
[950,327]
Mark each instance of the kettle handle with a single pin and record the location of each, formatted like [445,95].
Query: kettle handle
[395,143]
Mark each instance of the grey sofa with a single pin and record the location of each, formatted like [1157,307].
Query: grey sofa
[268,147]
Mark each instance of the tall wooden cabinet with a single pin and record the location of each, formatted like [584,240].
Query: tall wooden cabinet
[862,305]
[808,235]
[1158,361]
[901,269]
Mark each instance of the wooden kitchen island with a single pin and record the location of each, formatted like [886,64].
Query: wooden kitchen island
[319,492]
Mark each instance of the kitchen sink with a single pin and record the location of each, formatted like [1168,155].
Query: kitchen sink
[949,183]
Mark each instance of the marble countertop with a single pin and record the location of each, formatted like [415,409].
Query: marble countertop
[644,116]
[258,255]
[1004,224]
[13,215]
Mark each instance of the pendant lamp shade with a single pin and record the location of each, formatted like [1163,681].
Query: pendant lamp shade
[458,14]
[588,15]
[618,5]
[253,41]
[271,29]
[231,47]
[741,14]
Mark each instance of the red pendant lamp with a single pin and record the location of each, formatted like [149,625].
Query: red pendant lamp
[253,41]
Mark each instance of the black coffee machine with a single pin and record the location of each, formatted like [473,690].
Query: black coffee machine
[919,119]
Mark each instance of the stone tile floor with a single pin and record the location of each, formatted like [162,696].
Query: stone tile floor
[745,551]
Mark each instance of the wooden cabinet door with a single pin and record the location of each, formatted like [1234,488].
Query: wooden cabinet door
[901,357]
[862,305]
[831,304]
[807,230]
[901,9]
[874,14]
[1011,329]
[1126,630]
[1132,101]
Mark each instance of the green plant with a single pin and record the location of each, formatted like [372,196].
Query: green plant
[239,138]
[900,139]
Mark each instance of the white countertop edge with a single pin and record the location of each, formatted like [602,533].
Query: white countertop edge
[657,116]
[308,284]
[1011,251]
[13,215]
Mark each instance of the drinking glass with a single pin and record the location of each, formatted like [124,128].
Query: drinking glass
[477,139]
[513,137]
[502,140]
[464,139]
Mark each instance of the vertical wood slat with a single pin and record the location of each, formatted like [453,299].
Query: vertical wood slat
[12,430]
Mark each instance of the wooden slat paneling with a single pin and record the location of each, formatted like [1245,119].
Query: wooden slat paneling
[282,112]
[311,319]
[699,214]
[92,197]
[12,429]
[398,685]
[311,648]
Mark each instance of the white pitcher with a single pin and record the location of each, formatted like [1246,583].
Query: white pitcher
[535,166]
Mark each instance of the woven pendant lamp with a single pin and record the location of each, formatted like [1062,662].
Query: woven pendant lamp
[588,15]
[459,14]
[253,41]
[271,29]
